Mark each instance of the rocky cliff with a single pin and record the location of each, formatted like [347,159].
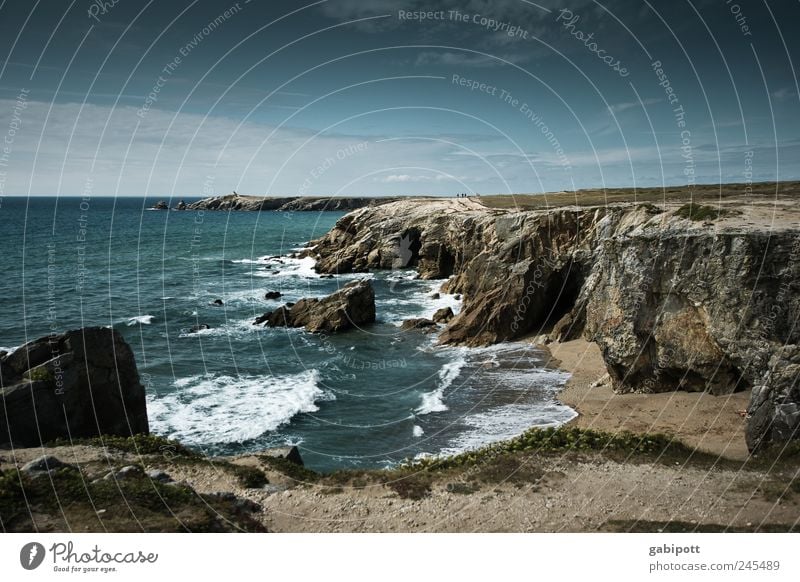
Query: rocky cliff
[675,303]
[284,204]
[81,383]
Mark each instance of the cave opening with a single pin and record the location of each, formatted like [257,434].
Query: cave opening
[410,245]
[565,286]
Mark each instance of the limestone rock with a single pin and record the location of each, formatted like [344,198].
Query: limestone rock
[443,315]
[352,305]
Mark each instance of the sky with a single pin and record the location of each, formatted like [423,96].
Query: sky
[379,98]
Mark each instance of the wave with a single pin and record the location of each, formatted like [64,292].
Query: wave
[212,408]
[434,401]
[287,267]
[140,319]
[405,303]
[506,422]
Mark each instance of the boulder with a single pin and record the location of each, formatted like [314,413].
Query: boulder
[288,453]
[81,383]
[443,315]
[217,302]
[352,305]
[272,295]
[418,323]
[43,464]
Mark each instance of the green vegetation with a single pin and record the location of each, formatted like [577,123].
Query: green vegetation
[292,470]
[698,212]
[249,477]
[40,374]
[515,461]
[708,193]
[140,444]
[569,439]
[70,501]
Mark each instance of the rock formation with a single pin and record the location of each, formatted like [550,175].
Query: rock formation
[674,304]
[284,204]
[81,383]
[352,305]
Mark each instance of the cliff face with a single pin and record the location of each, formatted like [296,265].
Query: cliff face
[674,304]
[286,204]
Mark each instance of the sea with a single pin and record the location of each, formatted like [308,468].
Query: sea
[366,398]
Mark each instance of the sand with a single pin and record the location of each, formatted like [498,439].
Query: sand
[713,424]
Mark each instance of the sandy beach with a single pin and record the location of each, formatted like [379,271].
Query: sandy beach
[712,424]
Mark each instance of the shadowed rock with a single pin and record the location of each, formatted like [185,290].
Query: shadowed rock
[81,383]
[352,305]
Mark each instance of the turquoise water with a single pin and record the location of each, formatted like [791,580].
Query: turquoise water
[363,398]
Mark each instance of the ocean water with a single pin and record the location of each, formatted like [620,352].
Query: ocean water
[369,397]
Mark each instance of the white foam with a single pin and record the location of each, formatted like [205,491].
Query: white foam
[434,401]
[506,422]
[417,431]
[140,319]
[258,261]
[406,304]
[212,408]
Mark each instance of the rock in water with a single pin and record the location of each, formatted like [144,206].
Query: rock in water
[443,315]
[418,323]
[81,383]
[352,305]
[272,295]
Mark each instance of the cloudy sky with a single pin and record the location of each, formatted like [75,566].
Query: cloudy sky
[386,97]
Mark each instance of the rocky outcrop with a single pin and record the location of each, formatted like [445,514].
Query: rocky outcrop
[674,304]
[81,383]
[284,204]
[419,323]
[443,315]
[351,306]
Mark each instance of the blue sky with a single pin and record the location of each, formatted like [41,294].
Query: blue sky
[350,97]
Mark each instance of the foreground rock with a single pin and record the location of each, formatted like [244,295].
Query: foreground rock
[352,305]
[81,383]
[674,304]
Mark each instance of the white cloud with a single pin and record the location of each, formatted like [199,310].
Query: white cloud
[620,107]
[451,59]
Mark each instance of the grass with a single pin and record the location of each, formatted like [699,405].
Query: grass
[712,193]
[70,501]
[138,444]
[697,212]
[292,470]
[573,439]
[515,461]
[249,477]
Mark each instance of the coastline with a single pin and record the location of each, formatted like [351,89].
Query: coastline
[711,424]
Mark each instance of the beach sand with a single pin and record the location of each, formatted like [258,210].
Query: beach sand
[712,424]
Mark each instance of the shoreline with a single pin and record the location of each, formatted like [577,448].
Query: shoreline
[711,424]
